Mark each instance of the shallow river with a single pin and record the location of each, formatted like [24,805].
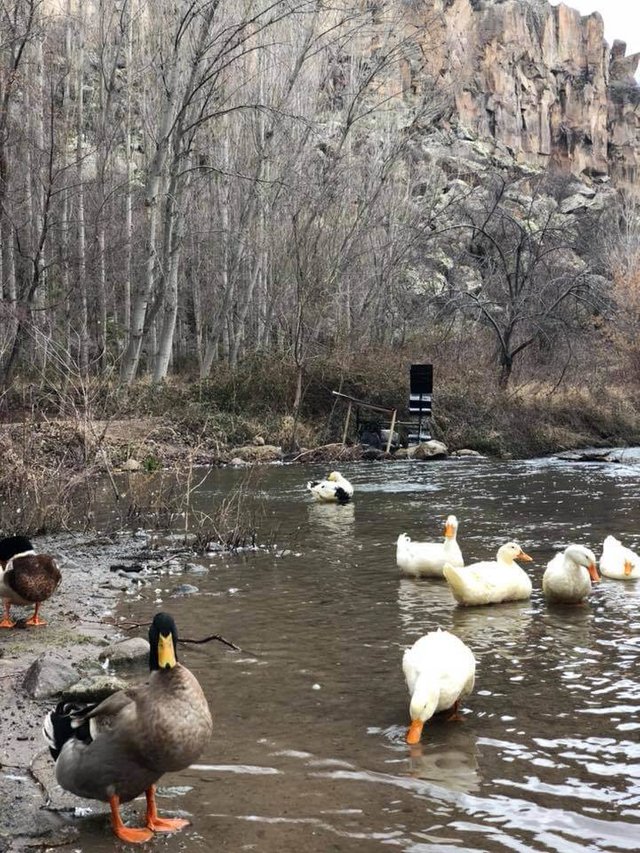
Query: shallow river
[308,752]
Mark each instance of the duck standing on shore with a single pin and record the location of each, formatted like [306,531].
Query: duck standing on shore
[25,578]
[118,749]
[335,488]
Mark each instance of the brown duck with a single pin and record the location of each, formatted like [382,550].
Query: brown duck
[119,749]
[25,578]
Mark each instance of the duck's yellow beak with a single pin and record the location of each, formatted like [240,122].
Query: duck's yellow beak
[449,531]
[166,652]
[593,573]
[415,731]
[524,557]
[628,567]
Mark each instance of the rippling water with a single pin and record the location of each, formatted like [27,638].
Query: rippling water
[308,752]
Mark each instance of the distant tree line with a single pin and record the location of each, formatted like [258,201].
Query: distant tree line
[189,183]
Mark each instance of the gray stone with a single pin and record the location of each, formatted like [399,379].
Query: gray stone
[196,569]
[467,453]
[183,589]
[430,450]
[134,649]
[49,675]
[95,688]
[131,465]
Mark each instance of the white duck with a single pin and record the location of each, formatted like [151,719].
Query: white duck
[439,670]
[491,581]
[335,488]
[617,561]
[427,559]
[569,575]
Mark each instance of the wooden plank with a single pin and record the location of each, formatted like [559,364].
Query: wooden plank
[346,424]
[362,403]
[393,423]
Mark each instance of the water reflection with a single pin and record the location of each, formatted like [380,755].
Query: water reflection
[423,605]
[451,762]
[496,627]
[334,519]
[546,757]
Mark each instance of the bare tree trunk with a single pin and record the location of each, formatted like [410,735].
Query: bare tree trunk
[80,216]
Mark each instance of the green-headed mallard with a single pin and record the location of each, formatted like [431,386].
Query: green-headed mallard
[25,578]
[336,489]
[118,749]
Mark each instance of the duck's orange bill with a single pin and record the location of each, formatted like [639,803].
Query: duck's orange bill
[414,732]
[628,567]
[524,557]
[449,531]
[593,573]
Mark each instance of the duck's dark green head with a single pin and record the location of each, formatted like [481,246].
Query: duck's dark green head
[163,642]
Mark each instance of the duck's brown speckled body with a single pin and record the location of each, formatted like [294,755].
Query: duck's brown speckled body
[119,749]
[25,577]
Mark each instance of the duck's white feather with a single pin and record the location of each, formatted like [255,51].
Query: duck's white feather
[439,670]
[615,556]
[335,488]
[490,581]
[427,559]
[566,578]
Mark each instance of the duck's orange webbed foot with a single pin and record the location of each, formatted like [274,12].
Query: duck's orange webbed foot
[161,824]
[126,833]
[455,715]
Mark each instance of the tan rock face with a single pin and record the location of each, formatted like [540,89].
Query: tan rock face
[539,79]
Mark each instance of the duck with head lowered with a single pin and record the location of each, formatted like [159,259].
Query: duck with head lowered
[427,559]
[335,489]
[439,670]
[25,578]
[491,581]
[118,749]
[569,576]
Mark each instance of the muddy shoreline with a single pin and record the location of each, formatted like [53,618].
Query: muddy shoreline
[80,624]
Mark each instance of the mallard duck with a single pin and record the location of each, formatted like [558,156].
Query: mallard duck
[335,488]
[491,581]
[439,670]
[617,561]
[427,559]
[25,578]
[115,750]
[569,575]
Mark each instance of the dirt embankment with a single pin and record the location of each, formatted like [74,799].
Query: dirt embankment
[79,625]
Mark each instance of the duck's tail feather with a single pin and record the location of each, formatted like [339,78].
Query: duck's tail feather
[454,578]
[66,721]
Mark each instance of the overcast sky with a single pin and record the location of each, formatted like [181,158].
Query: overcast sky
[621,19]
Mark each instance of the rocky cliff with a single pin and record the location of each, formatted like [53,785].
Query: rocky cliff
[539,80]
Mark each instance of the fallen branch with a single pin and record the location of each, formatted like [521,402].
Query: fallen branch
[219,639]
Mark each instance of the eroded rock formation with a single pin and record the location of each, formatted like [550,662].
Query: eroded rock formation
[538,79]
